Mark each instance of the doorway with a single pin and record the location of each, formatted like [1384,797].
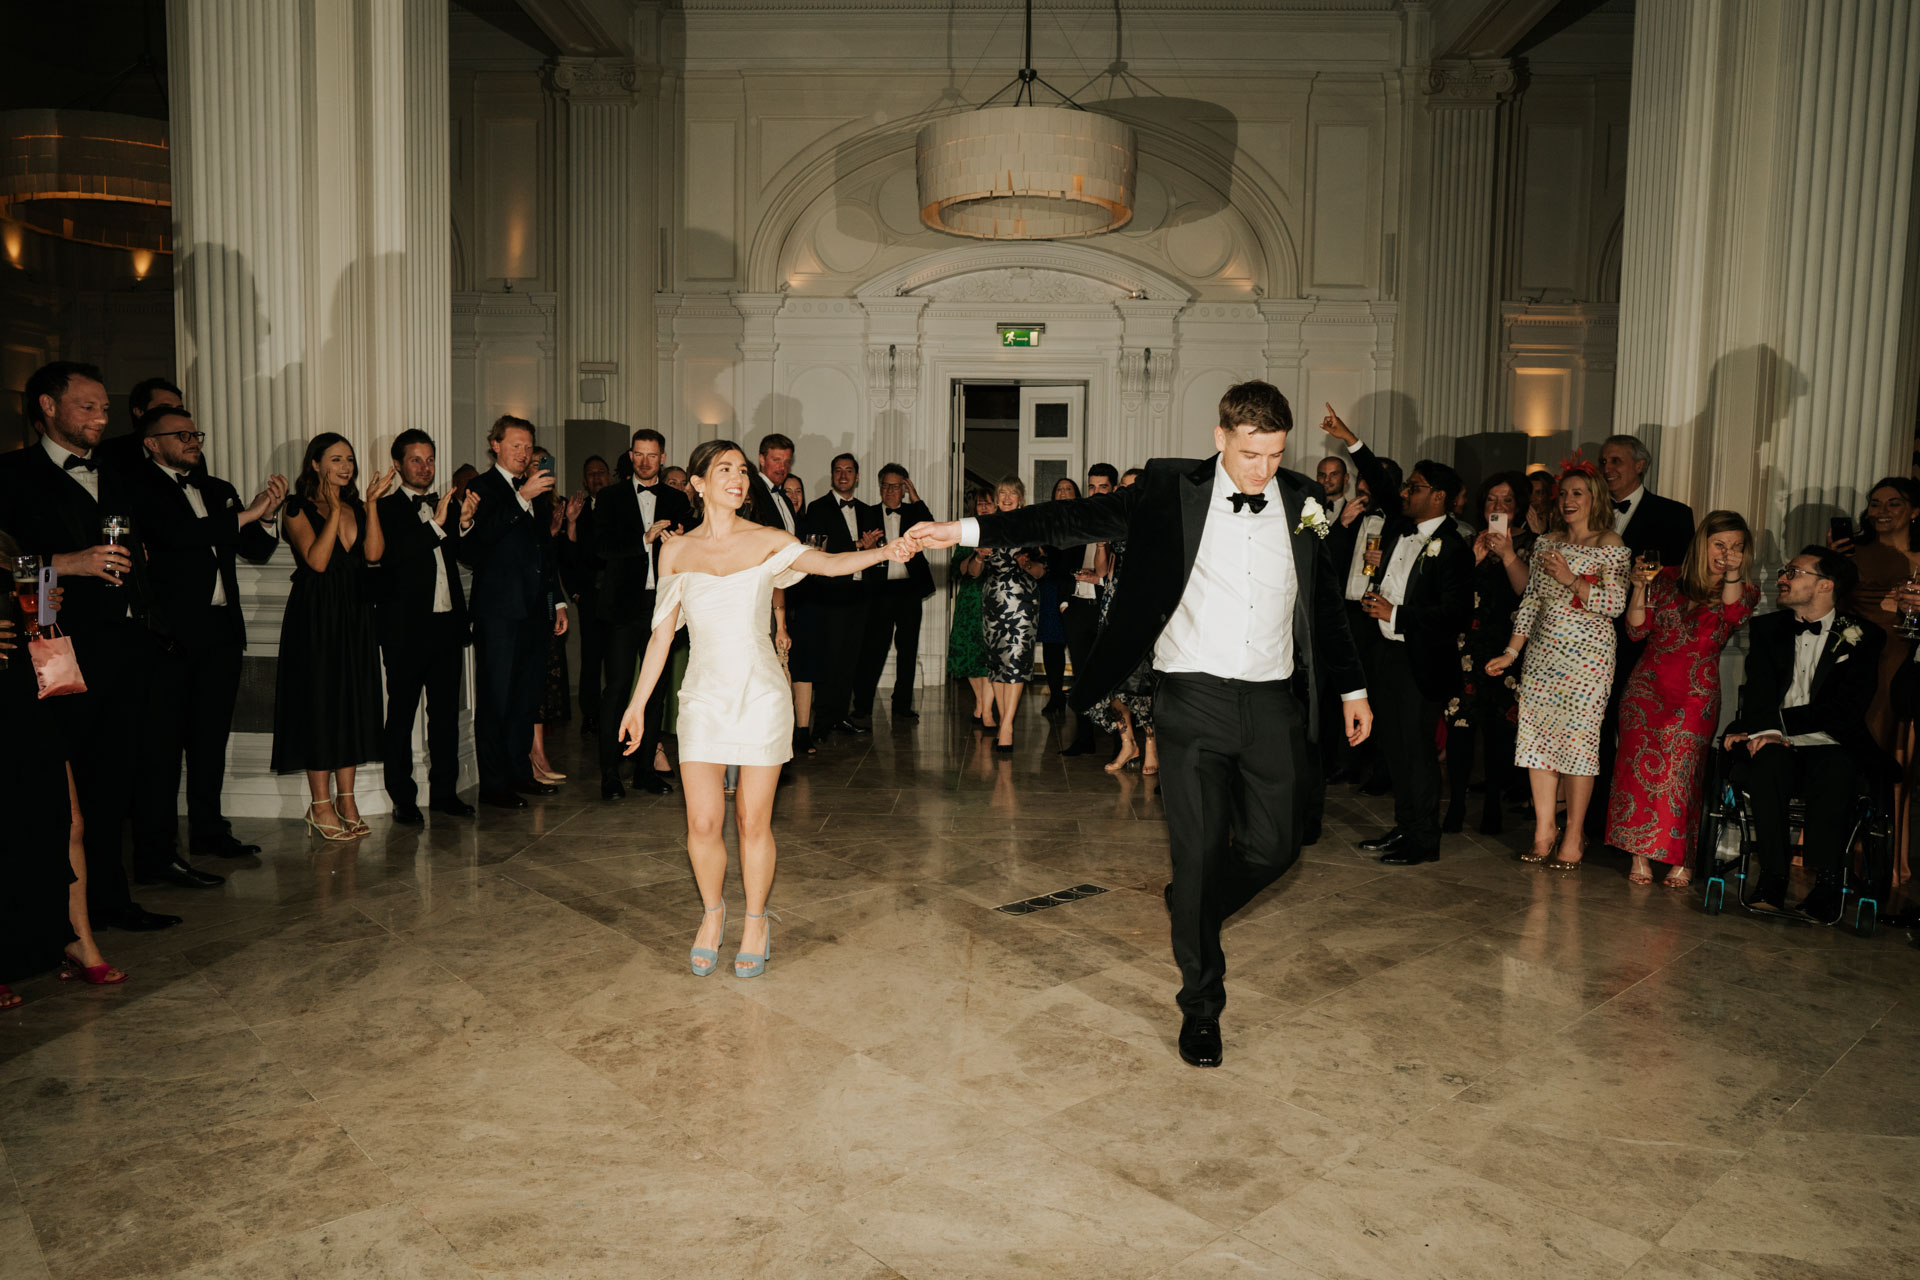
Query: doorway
[1034,430]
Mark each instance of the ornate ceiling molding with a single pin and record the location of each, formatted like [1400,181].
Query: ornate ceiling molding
[595,80]
[1472,81]
[1128,278]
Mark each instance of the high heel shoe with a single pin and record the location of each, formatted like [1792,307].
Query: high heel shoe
[355,826]
[321,829]
[94,975]
[547,776]
[756,964]
[710,954]
[1127,752]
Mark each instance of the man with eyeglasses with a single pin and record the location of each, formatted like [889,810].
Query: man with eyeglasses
[1812,670]
[191,524]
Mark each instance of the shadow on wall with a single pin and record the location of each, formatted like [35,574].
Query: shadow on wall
[1205,136]
[256,391]
[812,454]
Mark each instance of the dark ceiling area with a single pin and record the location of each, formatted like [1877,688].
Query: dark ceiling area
[103,55]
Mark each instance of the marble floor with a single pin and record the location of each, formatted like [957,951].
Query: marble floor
[475,1049]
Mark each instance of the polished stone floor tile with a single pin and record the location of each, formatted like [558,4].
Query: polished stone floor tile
[475,1048]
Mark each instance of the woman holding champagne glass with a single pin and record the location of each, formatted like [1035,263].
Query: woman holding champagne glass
[326,711]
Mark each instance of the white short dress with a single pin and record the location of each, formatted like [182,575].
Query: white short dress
[735,705]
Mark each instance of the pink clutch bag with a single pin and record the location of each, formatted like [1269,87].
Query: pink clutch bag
[55,666]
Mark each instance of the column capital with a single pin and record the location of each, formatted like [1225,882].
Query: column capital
[1466,82]
[595,81]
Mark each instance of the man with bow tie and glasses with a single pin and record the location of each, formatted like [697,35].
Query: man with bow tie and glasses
[191,525]
[1228,586]
[420,613]
[1812,670]
[625,526]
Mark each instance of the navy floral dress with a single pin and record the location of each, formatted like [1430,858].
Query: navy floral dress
[1010,610]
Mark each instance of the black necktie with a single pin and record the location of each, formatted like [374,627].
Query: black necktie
[1621,506]
[75,461]
[1258,501]
[1797,628]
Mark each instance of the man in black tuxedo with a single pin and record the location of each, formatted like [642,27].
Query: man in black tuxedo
[1812,671]
[582,569]
[53,497]
[627,525]
[191,525]
[1376,502]
[848,525]
[420,611]
[1228,587]
[769,506]
[1422,599]
[513,587]
[896,594]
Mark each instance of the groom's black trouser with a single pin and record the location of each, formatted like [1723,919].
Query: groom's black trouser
[1231,755]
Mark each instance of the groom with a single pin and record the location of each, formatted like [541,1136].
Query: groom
[1229,588]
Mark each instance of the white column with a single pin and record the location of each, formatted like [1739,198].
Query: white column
[595,305]
[1456,288]
[1847,315]
[240,229]
[757,348]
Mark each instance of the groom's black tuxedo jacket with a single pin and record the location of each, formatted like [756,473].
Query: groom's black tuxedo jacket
[1844,682]
[1438,607]
[1161,518]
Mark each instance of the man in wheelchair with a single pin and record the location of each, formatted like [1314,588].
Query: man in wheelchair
[1801,732]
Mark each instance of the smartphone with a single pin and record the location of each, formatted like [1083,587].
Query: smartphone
[546,464]
[1497,522]
[1840,528]
[49,579]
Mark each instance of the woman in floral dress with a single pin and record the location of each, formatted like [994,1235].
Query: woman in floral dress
[1576,587]
[1485,713]
[1672,702]
[1010,608]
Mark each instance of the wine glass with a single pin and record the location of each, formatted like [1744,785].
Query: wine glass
[1910,607]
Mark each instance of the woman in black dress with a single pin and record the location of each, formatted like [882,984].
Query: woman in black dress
[1485,713]
[326,710]
[1010,609]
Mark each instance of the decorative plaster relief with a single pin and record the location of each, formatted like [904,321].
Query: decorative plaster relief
[1021,284]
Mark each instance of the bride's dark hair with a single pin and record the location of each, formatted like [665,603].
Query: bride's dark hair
[704,456]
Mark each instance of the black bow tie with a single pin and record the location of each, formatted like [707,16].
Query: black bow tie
[423,499]
[647,488]
[1797,627]
[75,461]
[187,482]
[1622,505]
[1258,501]
[848,502]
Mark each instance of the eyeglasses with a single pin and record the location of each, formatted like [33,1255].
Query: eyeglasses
[187,437]
[1795,571]
[1410,487]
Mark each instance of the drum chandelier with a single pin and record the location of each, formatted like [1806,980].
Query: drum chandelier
[1023,171]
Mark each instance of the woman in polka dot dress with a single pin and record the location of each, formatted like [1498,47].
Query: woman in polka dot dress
[1577,588]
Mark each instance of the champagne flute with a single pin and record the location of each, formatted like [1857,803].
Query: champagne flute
[113,533]
[1909,615]
[1373,544]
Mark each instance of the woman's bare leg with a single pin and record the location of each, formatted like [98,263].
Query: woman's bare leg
[1546,787]
[84,949]
[1579,796]
[701,784]
[320,790]
[982,699]
[345,805]
[753,817]
[1006,698]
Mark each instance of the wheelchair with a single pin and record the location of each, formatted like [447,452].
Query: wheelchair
[1727,850]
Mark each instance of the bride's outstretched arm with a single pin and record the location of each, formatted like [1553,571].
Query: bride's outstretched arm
[828,564]
[659,646]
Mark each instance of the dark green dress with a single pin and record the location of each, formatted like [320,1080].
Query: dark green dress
[967,637]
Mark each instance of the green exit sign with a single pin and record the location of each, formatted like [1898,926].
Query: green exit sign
[1015,335]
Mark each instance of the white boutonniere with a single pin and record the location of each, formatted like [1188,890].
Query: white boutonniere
[1849,636]
[1313,519]
[1432,548]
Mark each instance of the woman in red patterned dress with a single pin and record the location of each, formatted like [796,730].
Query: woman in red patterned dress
[1672,702]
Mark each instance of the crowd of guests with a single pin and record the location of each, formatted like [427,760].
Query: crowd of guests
[1551,640]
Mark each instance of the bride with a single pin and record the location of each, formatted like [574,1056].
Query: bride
[735,708]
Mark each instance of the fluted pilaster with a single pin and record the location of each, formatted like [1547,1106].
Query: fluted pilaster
[594,307]
[241,226]
[1464,102]
[1846,323]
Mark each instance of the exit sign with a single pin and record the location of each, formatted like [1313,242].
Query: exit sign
[1016,335]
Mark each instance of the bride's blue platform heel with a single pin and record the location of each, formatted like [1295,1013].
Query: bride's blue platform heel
[757,964]
[710,954]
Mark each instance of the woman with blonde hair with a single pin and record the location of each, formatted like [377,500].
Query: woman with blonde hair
[1576,587]
[1010,610]
[1672,702]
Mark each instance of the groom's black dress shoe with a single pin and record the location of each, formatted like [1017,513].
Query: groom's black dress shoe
[1386,843]
[1406,856]
[1200,1041]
